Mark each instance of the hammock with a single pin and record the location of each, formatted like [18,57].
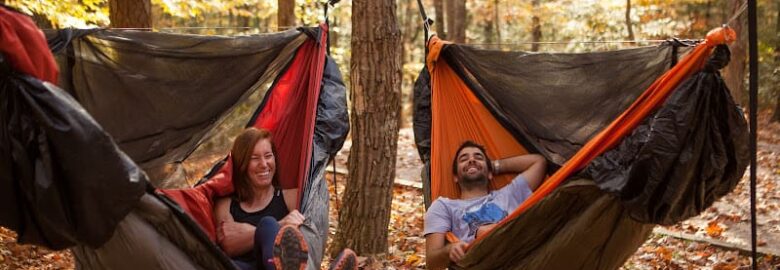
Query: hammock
[634,137]
[72,181]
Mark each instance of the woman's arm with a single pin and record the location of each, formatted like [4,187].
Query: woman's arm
[294,218]
[235,238]
[290,198]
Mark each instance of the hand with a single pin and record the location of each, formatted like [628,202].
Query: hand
[229,232]
[457,251]
[294,218]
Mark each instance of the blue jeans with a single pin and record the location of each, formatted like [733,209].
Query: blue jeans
[265,234]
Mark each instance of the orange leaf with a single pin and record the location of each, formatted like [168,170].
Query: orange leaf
[714,229]
[664,253]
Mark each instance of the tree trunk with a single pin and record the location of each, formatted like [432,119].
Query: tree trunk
[438,5]
[375,84]
[488,31]
[734,73]
[334,35]
[536,26]
[629,26]
[776,88]
[130,13]
[286,14]
[456,21]
[496,19]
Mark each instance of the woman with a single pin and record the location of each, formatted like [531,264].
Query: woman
[258,226]
[249,222]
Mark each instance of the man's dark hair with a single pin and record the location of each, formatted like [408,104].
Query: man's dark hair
[470,143]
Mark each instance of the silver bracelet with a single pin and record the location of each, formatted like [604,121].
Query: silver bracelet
[496,166]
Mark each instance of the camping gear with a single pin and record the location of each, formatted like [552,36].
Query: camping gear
[135,101]
[634,137]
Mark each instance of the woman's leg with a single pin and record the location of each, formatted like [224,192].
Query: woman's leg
[265,234]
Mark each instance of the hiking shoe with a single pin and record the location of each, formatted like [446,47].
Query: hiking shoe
[346,260]
[290,249]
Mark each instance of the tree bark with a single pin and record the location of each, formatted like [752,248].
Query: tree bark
[456,21]
[375,92]
[438,5]
[130,13]
[536,26]
[334,35]
[286,14]
[776,88]
[629,26]
[734,73]
[496,19]
[487,30]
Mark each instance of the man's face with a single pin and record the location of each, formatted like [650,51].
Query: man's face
[472,166]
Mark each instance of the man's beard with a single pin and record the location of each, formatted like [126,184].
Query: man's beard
[470,182]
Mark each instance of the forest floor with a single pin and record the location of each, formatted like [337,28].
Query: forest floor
[717,239]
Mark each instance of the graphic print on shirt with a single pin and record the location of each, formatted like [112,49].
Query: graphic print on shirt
[487,213]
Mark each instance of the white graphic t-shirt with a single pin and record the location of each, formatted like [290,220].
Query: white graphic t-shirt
[463,217]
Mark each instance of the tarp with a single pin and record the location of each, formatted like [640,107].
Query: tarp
[461,94]
[158,94]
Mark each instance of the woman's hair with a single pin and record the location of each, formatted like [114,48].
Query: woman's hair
[243,147]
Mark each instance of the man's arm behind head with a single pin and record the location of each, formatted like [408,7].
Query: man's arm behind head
[532,167]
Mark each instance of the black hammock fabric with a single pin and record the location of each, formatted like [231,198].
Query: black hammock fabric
[63,181]
[691,152]
[159,94]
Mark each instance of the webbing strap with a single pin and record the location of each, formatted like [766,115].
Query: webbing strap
[753,50]
[426,27]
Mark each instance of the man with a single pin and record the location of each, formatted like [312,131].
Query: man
[478,209]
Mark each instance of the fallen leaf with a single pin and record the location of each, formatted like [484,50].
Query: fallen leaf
[714,229]
[413,260]
[664,253]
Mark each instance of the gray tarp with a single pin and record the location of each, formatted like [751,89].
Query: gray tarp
[159,94]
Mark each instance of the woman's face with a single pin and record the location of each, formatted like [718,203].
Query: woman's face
[262,164]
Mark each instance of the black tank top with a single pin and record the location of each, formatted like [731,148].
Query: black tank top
[276,209]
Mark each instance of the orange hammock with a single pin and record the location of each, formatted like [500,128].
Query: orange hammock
[458,116]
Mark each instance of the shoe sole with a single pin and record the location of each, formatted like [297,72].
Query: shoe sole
[347,261]
[290,249]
